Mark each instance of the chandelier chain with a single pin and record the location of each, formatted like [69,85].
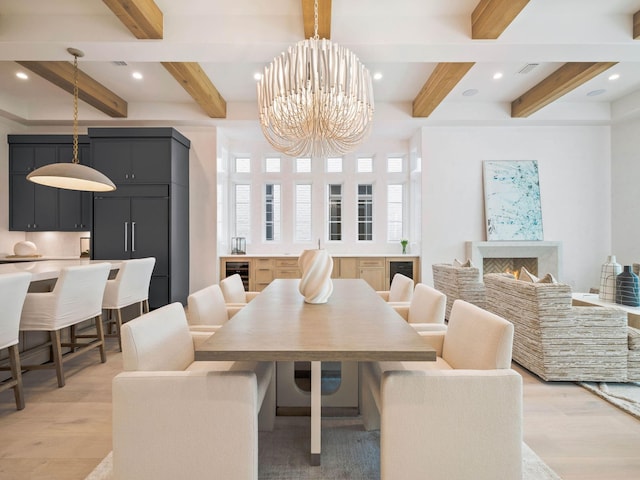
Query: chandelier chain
[75,109]
[315,19]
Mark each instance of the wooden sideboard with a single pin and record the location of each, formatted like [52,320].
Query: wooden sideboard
[258,271]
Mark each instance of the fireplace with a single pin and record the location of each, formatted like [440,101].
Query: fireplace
[539,258]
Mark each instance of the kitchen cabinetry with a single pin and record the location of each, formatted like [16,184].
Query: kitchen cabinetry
[35,207]
[375,270]
[148,214]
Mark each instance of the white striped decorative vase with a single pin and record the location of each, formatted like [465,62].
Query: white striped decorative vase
[609,272]
[316,285]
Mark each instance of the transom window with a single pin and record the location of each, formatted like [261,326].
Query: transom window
[334,165]
[243,165]
[272,164]
[394,165]
[365,165]
[303,165]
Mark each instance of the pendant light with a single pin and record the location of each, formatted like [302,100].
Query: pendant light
[73,175]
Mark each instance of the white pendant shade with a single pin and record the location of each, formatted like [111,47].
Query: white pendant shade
[71,176]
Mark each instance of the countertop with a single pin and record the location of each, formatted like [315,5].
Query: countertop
[336,255]
[49,269]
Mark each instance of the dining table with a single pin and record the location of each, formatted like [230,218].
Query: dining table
[355,324]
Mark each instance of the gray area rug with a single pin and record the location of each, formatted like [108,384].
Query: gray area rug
[625,396]
[348,452]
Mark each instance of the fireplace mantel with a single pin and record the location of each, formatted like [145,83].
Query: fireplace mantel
[549,254]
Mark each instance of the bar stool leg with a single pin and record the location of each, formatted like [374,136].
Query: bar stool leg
[16,373]
[56,349]
[100,335]
[119,327]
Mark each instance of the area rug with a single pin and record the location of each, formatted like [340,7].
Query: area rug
[348,453]
[625,396]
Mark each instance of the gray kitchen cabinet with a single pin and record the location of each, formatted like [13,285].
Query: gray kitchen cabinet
[35,207]
[148,214]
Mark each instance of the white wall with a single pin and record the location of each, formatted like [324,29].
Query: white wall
[575,184]
[625,171]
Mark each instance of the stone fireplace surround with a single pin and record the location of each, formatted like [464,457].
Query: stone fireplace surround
[548,254]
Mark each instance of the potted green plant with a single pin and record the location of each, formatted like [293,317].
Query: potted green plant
[404,242]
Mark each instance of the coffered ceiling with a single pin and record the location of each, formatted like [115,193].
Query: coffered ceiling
[437,59]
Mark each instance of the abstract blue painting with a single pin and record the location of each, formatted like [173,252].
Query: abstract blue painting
[512,200]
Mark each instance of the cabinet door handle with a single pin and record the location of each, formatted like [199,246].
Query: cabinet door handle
[126,226]
[133,236]
[133,176]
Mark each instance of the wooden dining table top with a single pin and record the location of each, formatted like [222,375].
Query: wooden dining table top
[356,324]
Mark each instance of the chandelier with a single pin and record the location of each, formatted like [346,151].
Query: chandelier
[315,99]
[72,175]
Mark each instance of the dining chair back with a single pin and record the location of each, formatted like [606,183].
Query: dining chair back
[234,291]
[13,290]
[76,297]
[207,307]
[131,286]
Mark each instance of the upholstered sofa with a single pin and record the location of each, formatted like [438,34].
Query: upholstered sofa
[558,341]
[457,417]
[174,417]
[462,283]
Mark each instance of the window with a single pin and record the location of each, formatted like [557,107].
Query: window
[272,212]
[243,165]
[272,165]
[394,213]
[335,212]
[334,165]
[365,212]
[394,165]
[243,210]
[303,165]
[365,165]
[303,213]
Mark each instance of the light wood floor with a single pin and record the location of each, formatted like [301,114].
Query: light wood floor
[64,433]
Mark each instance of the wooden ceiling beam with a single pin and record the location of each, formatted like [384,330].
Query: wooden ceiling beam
[197,84]
[89,90]
[440,83]
[560,82]
[491,17]
[142,17]
[636,25]
[324,18]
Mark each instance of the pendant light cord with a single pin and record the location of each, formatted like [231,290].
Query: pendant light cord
[75,109]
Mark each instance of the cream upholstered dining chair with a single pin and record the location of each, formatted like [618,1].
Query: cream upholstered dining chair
[13,290]
[401,289]
[426,310]
[233,290]
[76,297]
[457,417]
[174,417]
[207,311]
[131,286]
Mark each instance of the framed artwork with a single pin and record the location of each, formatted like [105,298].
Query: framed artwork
[512,200]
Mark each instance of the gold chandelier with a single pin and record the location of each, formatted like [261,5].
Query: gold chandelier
[315,99]
[72,175]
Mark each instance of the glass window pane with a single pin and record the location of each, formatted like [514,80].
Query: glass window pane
[272,212]
[243,165]
[365,165]
[335,212]
[243,210]
[303,213]
[303,165]
[272,165]
[365,212]
[394,213]
[334,165]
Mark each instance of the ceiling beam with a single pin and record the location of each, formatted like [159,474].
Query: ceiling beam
[560,82]
[324,18]
[636,25]
[89,90]
[444,77]
[491,17]
[197,84]
[142,17]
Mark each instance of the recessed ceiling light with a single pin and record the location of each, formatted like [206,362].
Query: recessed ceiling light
[377,76]
[470,93]
[22,76]
[595,93]
[257,76]
[615,76]
[497,75]
[137,75]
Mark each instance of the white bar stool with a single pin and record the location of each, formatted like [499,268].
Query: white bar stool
[13,289]
[76,297]
[130,286]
